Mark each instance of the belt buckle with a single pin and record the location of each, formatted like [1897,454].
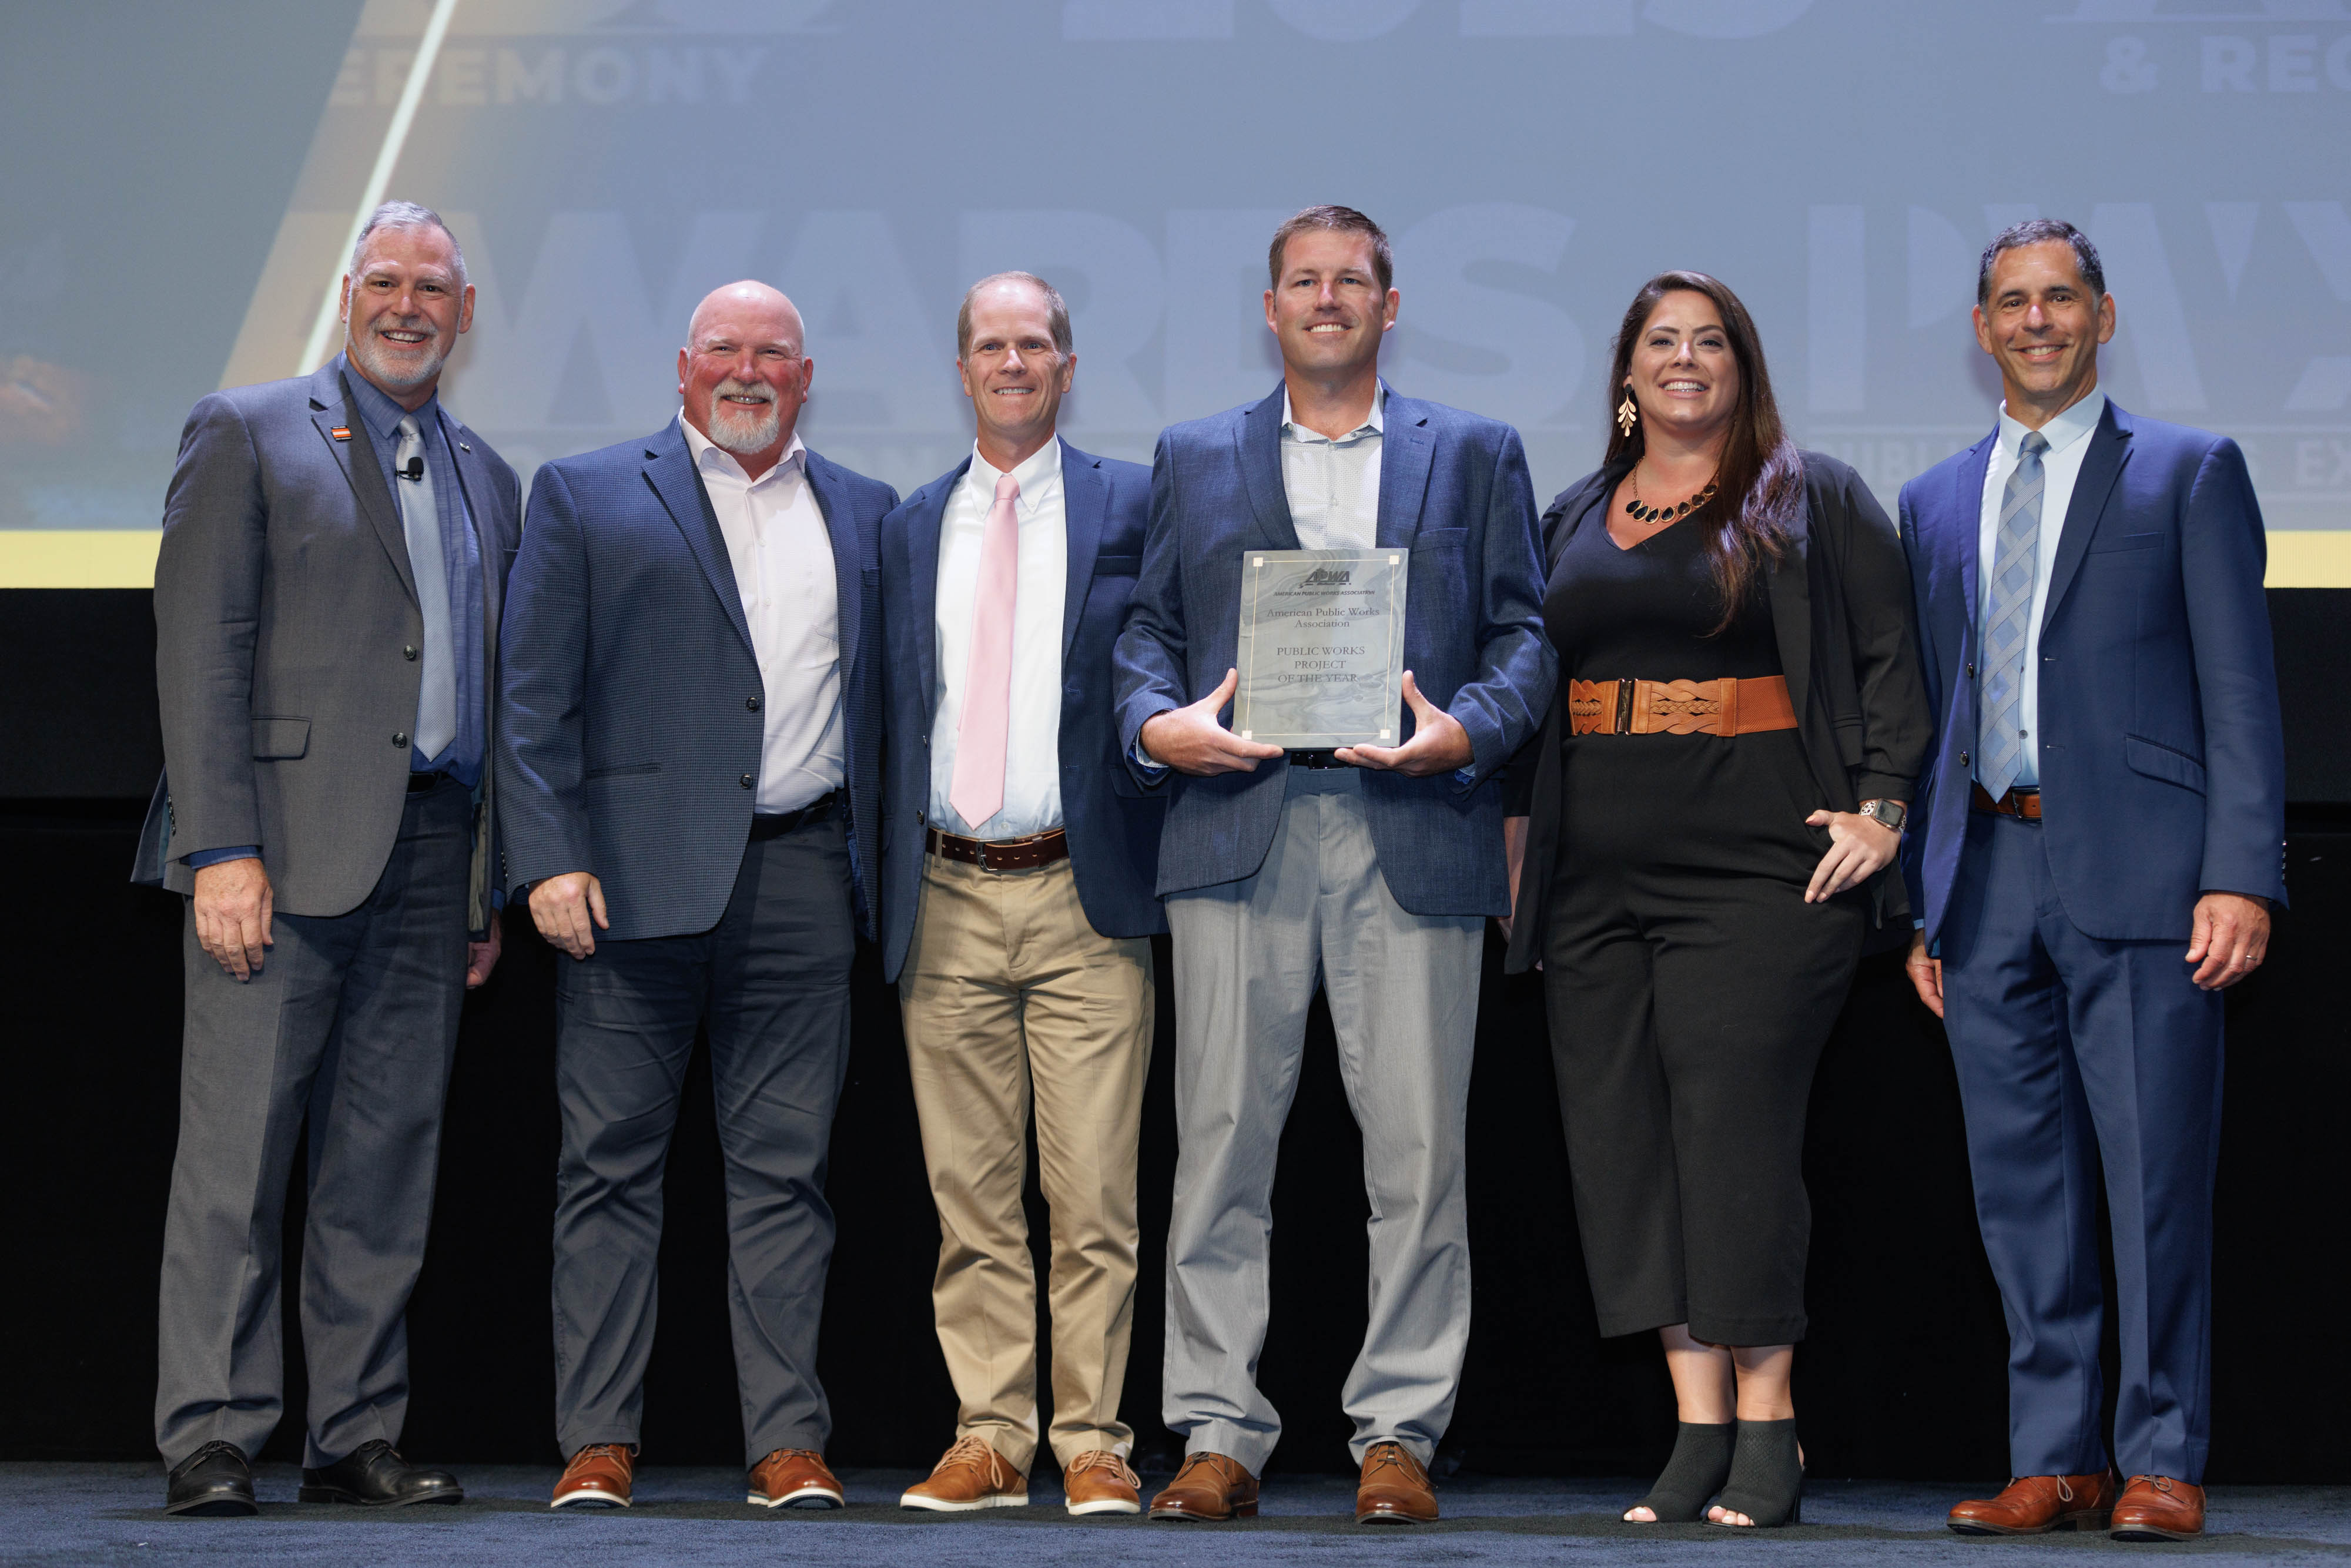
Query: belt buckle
[1624,708]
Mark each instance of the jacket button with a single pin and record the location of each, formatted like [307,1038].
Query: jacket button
[751,703]
[920,819]
[1971,672]
[400,738]
[1963,759]
[408,653]
[749,780]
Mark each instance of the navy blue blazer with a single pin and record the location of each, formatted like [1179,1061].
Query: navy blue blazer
[1113,826]
[629,729]
[2161,755]
[1454,491]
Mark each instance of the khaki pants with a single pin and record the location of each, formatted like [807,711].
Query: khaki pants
[1009,994]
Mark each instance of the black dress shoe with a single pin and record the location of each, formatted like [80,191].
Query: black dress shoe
[213,1481]
[375,1476]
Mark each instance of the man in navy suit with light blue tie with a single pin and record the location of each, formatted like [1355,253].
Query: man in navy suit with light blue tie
[2094,859]
[1018,906]
[1367,871]
[689,775]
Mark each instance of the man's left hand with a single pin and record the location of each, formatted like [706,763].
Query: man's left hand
[2230,939]
[480,957]
[1438,743]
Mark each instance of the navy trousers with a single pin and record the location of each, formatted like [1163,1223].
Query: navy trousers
[2073,1051]
[771,983]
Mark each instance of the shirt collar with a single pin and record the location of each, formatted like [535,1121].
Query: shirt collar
[1376,423]
[708,455]
[1036,474]
[2061,431]
[376,407]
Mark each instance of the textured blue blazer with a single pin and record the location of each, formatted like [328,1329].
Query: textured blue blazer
[2161,755]
[628,719]
[1453,490]
[1113,824]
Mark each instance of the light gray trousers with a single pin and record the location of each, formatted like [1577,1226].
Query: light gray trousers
[1402,991]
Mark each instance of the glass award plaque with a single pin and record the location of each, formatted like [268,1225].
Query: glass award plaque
[1322,648]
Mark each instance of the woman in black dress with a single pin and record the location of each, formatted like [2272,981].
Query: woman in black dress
[1709,812]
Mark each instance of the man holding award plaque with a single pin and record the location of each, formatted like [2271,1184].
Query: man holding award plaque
[1358,574]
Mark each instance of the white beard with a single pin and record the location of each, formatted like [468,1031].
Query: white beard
[396,377]
[742,430]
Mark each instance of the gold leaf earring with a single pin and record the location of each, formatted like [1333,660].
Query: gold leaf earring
[1625,412]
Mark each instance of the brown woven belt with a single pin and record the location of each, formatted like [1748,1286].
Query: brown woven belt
[1727,707]
[1002,854]
[2024,803]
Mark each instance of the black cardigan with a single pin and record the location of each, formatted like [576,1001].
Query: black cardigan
[1842,613]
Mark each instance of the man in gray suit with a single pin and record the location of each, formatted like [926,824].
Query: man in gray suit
[1368,870]
[335,548]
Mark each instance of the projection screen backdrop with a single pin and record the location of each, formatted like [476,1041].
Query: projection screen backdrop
[1839,163]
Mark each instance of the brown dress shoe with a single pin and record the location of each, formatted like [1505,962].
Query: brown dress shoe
[969,1475]
[1209,1486]
[2031,1505]
[793,1478]
[1099,1481]
[597,1477]
[2156,1508]
[1395,1488]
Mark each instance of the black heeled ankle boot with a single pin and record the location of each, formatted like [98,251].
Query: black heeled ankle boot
[1767,1475]
[1701,1463]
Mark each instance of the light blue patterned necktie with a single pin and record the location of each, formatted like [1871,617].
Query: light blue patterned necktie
[2016,562]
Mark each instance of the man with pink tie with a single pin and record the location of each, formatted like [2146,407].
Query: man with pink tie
[1019,858]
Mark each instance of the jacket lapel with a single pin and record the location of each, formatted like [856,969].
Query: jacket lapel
[1407,450]
[923,572]
[1085,499]
[841,523]
[1258,441]
[669,469]
[1789,590]
[1967,514]
[2102,465]
[334,408]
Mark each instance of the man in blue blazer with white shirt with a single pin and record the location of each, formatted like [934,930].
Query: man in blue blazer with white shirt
[2093,856]
[1018,906]
[1366,870]
[689,776]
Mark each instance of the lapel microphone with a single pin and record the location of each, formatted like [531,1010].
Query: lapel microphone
[416,469]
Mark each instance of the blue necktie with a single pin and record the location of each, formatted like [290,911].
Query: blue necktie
[420,515]
[2016,562]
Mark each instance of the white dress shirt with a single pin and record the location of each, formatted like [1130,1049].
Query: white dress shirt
[782,555]
[1032,741]
[2069,441]
[1334,486]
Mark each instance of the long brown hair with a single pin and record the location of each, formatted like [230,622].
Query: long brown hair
[1762,480]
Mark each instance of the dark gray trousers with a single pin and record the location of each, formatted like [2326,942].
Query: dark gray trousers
[772,982]
[353,1019]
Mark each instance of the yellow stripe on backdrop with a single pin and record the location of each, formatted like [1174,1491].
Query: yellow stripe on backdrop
[125,558]
[79,557]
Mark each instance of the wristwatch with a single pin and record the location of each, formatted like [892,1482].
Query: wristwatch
[1886,813]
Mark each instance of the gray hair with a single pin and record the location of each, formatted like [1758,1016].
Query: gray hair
[1057,310]
[404,215]
[2041,230]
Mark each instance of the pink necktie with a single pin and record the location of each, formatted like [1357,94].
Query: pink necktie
[976,790]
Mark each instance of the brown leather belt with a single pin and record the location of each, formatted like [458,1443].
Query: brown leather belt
[1002,854]
[2024,803]
[1727,707]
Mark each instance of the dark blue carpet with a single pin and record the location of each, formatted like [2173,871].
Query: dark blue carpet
[63,1513]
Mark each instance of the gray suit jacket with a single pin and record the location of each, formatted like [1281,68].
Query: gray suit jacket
[284,608]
